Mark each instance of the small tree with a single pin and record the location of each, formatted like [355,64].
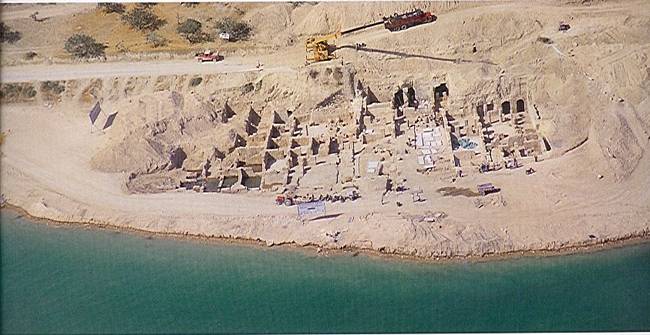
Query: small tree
[191,30]
[199,37]
[238,30]
[84,46]
[189,26]
[8,35]
[143,19]
[53,87]
[156,40]
[111,7]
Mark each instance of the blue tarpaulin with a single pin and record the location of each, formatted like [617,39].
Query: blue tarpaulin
[466,143]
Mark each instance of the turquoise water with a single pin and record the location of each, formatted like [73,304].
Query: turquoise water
[72,280]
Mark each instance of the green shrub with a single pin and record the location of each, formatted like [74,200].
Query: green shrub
[143,19]
[111,7]
[84,46]
[8,35]
[17,92]
[189,26]
[53,87]
[238,30]
[199,37]
[191,30]
[156,40]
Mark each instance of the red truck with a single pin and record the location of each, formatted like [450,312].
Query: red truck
[403,21]
[208,56]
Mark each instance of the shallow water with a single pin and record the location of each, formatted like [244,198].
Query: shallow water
[73,280]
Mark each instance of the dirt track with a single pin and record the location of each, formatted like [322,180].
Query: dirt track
[131,69]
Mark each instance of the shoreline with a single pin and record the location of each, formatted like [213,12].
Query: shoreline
[572,118]
[311,248]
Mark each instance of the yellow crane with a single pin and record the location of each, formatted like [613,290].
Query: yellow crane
[319,48]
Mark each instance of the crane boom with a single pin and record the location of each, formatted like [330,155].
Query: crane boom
[318,47]
[362,27]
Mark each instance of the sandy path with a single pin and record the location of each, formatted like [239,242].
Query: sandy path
[26,73]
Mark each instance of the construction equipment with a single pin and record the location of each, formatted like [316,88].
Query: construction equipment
[398,22]
[319,48]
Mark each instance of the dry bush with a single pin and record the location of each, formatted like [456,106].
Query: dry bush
[8,35]
[53,87]
[111,7]
[143,19]
[191,30]
[18,92]
[156,40]
[84,46]
[189,26]
[238,30]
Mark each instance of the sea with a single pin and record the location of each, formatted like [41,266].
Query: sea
[71,279]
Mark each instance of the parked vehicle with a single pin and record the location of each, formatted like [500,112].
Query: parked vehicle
[403,21]
[208,56]
[286,200]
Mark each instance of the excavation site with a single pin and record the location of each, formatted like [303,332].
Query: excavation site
[427,129]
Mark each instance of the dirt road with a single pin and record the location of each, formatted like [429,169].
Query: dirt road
[24,73]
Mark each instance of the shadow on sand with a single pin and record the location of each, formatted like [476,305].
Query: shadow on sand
[328,216]
[407,55]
